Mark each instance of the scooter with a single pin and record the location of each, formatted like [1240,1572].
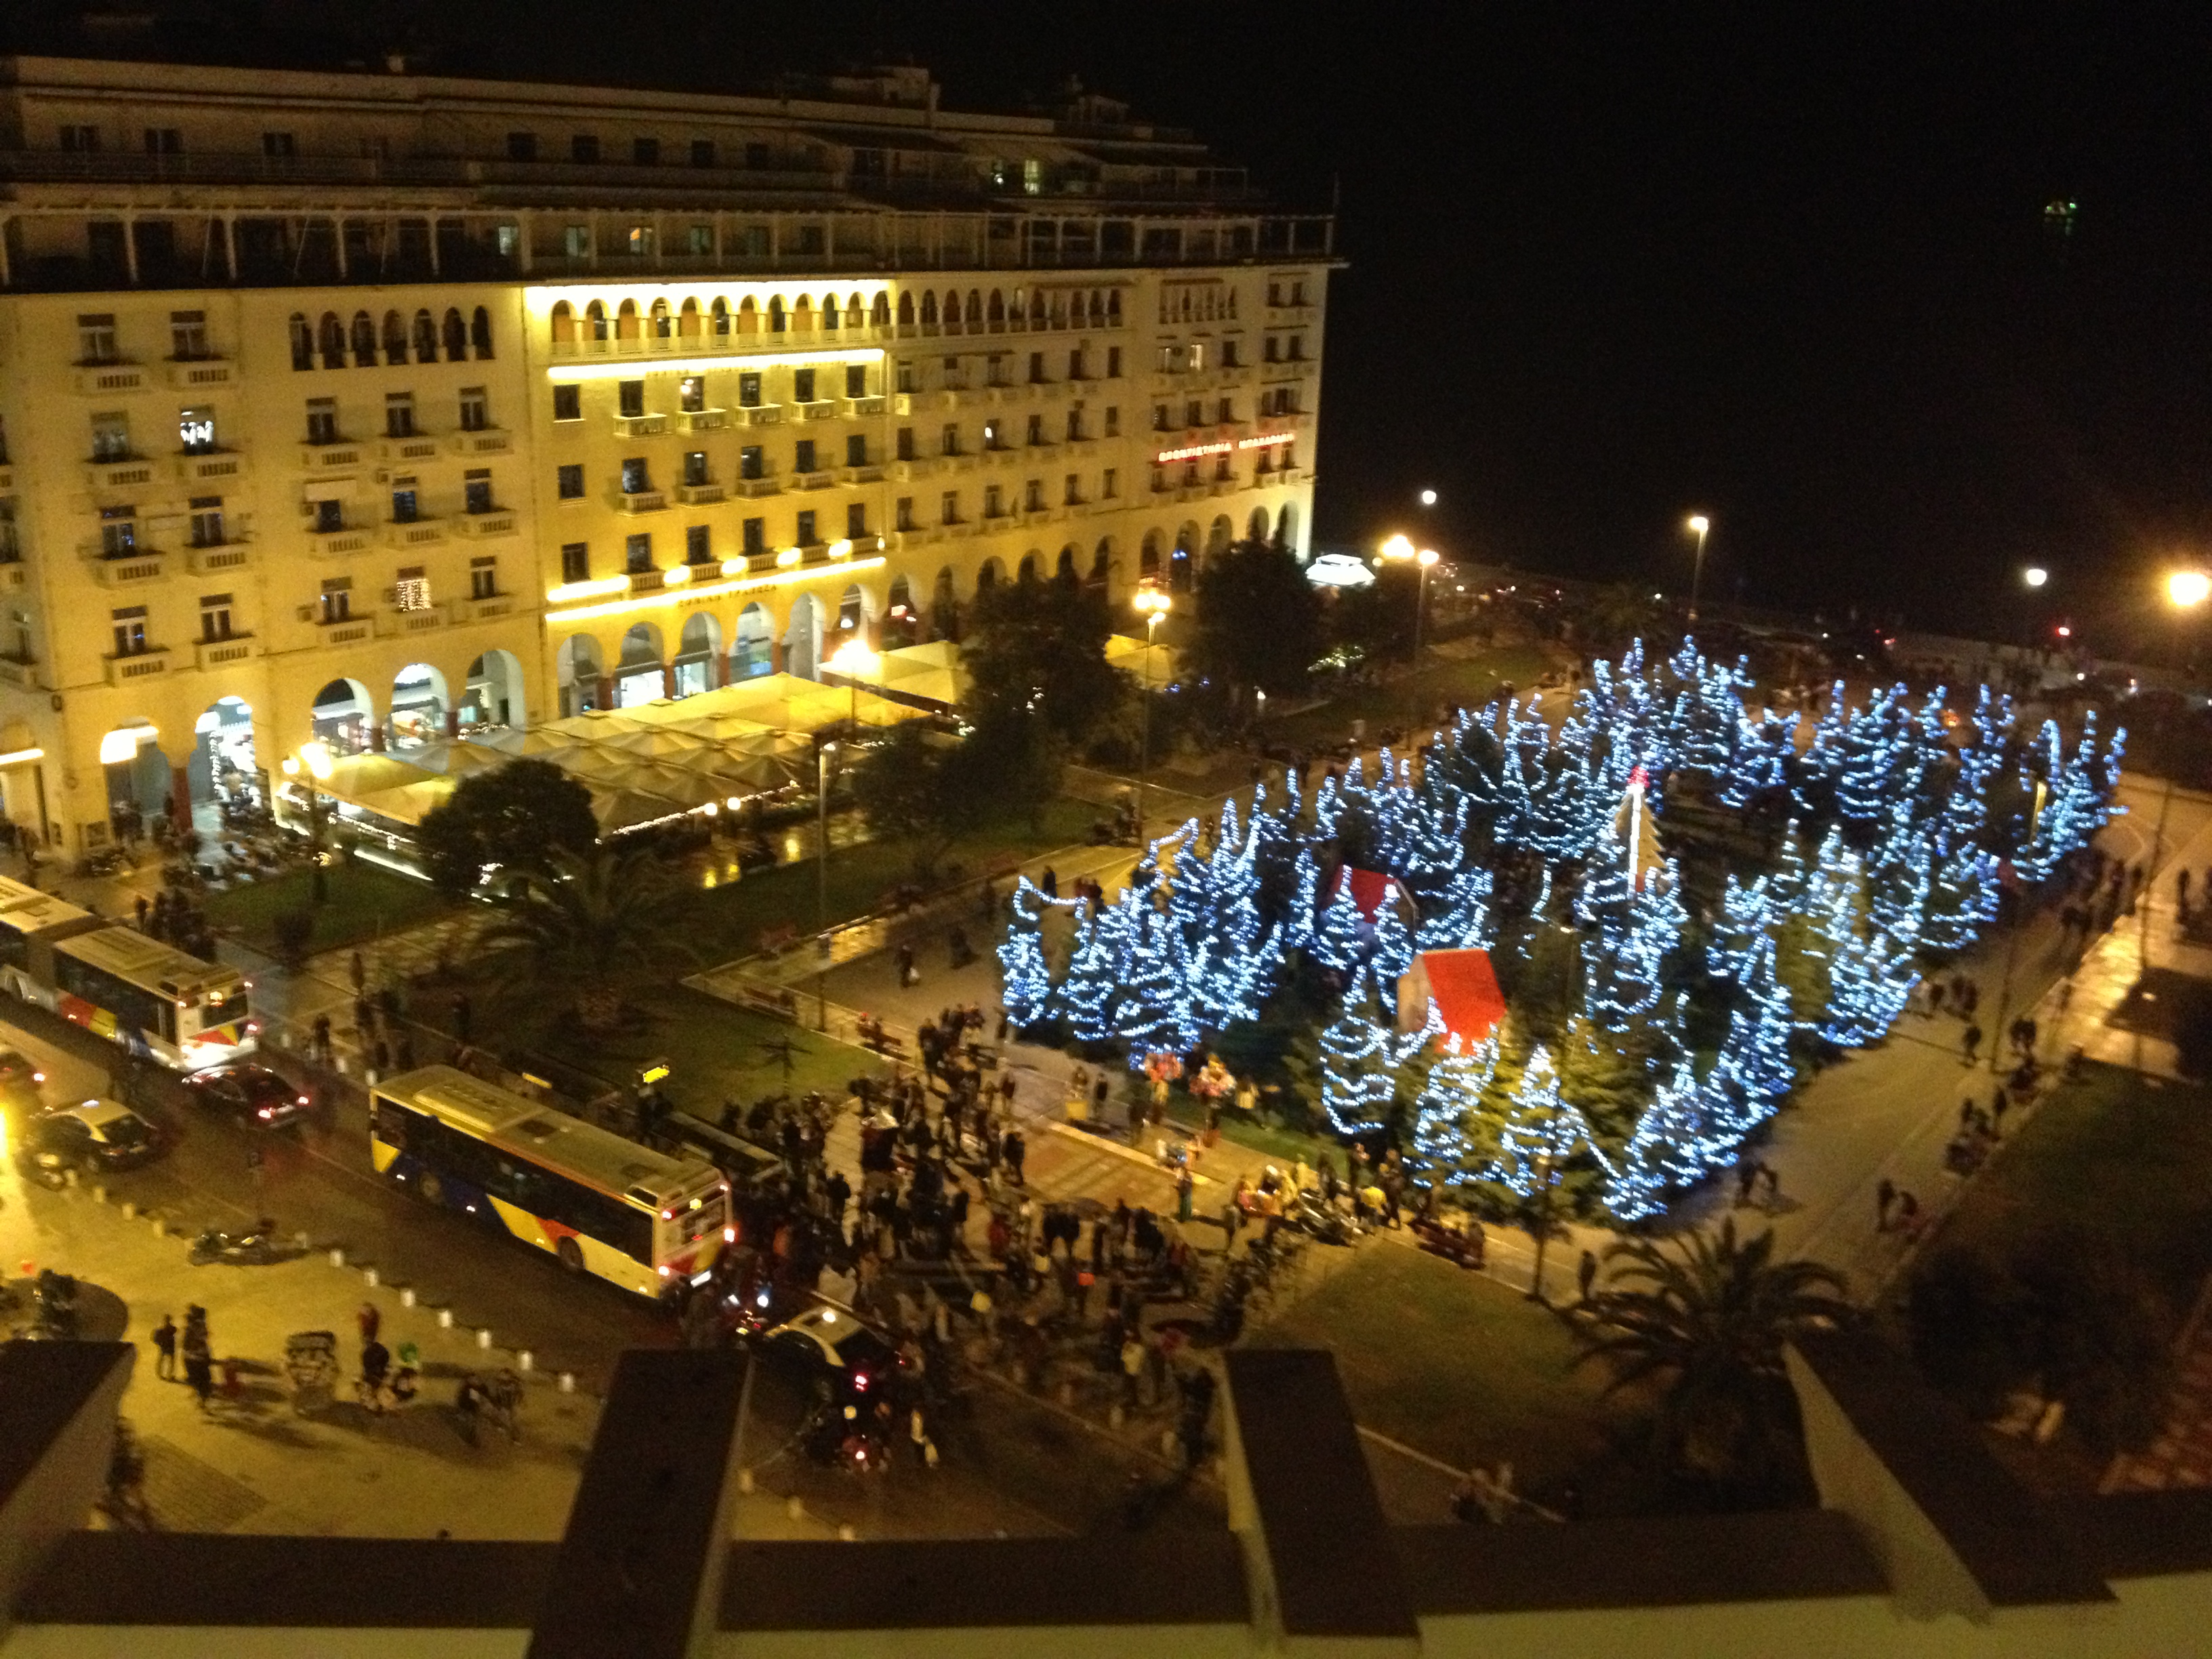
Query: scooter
[254,1250]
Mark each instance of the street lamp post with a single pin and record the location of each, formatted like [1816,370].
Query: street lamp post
[822,887]
[311,765]
[1402,548]
[855,661]
[2186,590]
[1154,603]
[1699,526]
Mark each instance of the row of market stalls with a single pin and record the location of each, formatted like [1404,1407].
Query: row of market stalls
[713,752]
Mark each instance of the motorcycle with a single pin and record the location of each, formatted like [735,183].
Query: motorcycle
[1319,1221]
[56,1300]
[254,1250]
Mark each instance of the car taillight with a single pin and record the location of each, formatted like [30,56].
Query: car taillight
[729,1235]
[860,1382]
[37,1077]
[266,1113]
[664,1272]
[302,1100]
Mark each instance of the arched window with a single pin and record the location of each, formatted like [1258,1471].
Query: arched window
[1148,560]
[303,342]
[974,308]
[748,317]
[719,318]
[988,577]
[1059,310]
[829,317]
[626,321]
[564,323]
[906,311]
[1027,573]
[395,337]
[1255,528]
[1286,526]
[855,313]
[802,315]
[994,310]
[1098,308]
[480,334]
[687,320]
[775,315]
[1066,571]
[457,337]
[364,341]
[663,326]
[950,310]
[1102,561]
[1114,306]
[596,314]
[1040,313]
[426,338]
[333,341]
[879,313]
[928,308]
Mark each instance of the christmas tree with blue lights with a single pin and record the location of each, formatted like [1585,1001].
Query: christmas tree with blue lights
[1447,1114]
[1755,1068]
[1358,1062]
[1340,942]
[1540,1133]
[1670,1149]
[1092,983]
[1025,980]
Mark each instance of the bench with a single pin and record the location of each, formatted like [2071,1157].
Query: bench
[783,1004]
[872,1035]
[774,941]
[1462,1245]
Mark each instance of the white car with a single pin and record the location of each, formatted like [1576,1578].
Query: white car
[1339,570]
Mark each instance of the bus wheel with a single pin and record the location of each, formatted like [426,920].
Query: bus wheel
[432,1188]
[571,1254]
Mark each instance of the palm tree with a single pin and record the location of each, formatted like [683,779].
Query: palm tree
[584,925]
[1708,1316]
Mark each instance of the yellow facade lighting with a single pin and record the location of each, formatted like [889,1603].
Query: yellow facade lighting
[123,744]
[570,592]
[788,557]
[854,661]
[22,757]
[676,575]
[629,368]
[703,590]
[2188,588]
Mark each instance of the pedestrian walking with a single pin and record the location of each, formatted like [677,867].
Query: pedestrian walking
[1971,1041]
[1998,1103]
[357,971]
[1935,997]
[1884,1195]
[368,1321]
[1966,1112]
[1908,1215]
[164,1350]
[1048,882]
[1014,1149]
[1185,1184]
[1586,1273]
[464,1017]
[322,1029]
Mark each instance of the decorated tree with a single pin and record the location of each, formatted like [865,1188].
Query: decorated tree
[1541,1132]
[1358,1058]
[1153,1009]
[1447,1112]
[1461,922]
[1754,1069]
[1671,1149]
[1092,984]
[1025,980]
[1340,942]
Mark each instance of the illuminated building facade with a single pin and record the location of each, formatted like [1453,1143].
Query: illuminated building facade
[385,408]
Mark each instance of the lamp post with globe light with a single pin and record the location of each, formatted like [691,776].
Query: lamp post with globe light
[311,766]
[1401,549]
[2187,588]
[1698,526]
[854,661]
[1152,603]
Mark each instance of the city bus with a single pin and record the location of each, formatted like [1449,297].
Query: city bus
[602,1205]
[149,998]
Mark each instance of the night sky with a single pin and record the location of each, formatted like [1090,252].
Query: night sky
[1609,264]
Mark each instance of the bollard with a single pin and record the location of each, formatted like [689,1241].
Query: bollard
[794,1508]
[745,1481]
[844,1532]
[567,1381]
[100,1193]
[483,1337]
[526,1361]
[1170,1443]
[337,1257]
[445,1319]
[69,1178]
[160,1228]
[368,1276]
[1113,1417]
[130,1210]
[407,1297]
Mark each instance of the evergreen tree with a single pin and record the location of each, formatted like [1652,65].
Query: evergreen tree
[1296,931]
[1962,894]
[1151,1009]
[1899,876]
[1092,983]
[1818,770]
[1340,942]
[1754,1069]
[1393,954]
[1462,920]
[1026,981]
[1869,755]
[1540,1133]
[1744,924]
[1447,1111]
[1357,1061]
[1671,1150]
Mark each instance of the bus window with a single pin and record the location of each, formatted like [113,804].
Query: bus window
[223,1008]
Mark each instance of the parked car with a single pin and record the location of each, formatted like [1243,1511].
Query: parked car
[92,1136]
[19,1081]
[828,1343]
[256,1097]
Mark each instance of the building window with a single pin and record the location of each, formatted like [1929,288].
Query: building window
[207,521]
[1228,355]
[639,241]
[398,414]
[521,146]
[856,450]
[164,140]
[699,242]
[802,386]
[749,463]
[637,553]
[906,377]
[1075,365]
[1033,497]
[1110,485]
[1113,422]
[749,390]
[951,444]
[631,398]
[904,512]
[118,532]
[215,617]
[404,509]
[188,334]
[130,631]
[995,502]
[1036,369]
[476,490]
[568,483]
[856,520]
[805,463]
[756,536]
[337,599]
[695,466]
[1194,413]
[991,435]
[856,379]
[95,338]
[950,513]
[575,561]
[1073,494]
[1273,352]
[905,440]
[702,152]
[584,146]
[412,591]
[698,545]
[81,140]
[484,578]
[576,244]
[330,515]
[567,402]
[1036,429]
[634,480]
[475,410]
[645,151]
[111,437]
[806,537]
[279,145]
[195,431]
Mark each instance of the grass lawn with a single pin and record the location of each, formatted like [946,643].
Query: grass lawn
[366,901]
[1456,1365]
[732,916]
[1283,1145]
[1470,681]
[2115,1154]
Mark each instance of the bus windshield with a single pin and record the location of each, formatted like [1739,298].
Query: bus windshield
[696,1217]
[223,1007]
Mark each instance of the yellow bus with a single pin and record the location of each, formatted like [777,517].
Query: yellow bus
[601,1203]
